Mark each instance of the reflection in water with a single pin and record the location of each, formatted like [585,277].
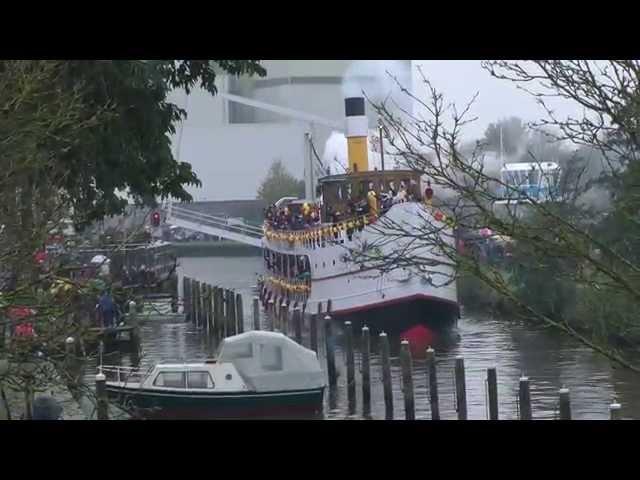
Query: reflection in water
[549,359]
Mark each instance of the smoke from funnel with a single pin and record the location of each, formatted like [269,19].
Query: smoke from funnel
[336,156]
[375,79]
[335,153]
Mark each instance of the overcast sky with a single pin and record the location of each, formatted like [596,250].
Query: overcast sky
[459,80]
[232,161]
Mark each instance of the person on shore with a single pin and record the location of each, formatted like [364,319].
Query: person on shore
[107,309]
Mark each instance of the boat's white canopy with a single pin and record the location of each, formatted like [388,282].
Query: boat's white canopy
[270,361]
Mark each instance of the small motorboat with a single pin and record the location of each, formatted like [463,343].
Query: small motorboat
[256,374]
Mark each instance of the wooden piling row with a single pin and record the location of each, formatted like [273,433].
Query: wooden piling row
[220,312]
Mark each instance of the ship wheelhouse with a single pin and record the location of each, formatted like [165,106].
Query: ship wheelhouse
[347,195]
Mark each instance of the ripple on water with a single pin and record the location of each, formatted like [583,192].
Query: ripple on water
[549,359]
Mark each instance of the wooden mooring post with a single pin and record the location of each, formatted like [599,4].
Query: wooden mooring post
[222,325]
[134,334]
[297,325]
[203,303]
[366,371]
[224,310]
[565,404]
[614,410]
[256,313]
[407,381]
[239,314]
[284,317]
[197,305]
[215,300]
[330,348]
[102,403]
[433,384]
[187,298]
[386,376]
[461,389]
[313,333]
[210,316]
[524,399]
[231,312]
[276,314]
[351,368]
[69,352]
[271,314]
[492,393]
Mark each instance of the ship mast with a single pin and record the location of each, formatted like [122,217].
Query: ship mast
[501,147]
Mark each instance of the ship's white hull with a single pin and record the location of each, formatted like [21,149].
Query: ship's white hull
[352,288]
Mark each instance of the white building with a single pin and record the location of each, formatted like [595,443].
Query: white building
[231,146]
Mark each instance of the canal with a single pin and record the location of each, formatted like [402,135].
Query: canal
[548,358]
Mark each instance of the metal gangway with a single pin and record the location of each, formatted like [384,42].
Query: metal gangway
[211,225]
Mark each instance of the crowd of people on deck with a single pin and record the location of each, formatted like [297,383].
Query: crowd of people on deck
[290,218]
[294,216]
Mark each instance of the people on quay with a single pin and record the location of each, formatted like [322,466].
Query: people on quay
[106,309]
[428,194]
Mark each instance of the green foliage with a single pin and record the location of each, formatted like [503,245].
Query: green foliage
[279,183]
[75,137]
[129,150]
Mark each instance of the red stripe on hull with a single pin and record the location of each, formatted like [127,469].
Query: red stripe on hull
[395,301]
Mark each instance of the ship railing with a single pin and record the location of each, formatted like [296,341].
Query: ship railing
[211,220]
[123,374]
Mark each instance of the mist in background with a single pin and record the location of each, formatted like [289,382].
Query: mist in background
[232,158]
